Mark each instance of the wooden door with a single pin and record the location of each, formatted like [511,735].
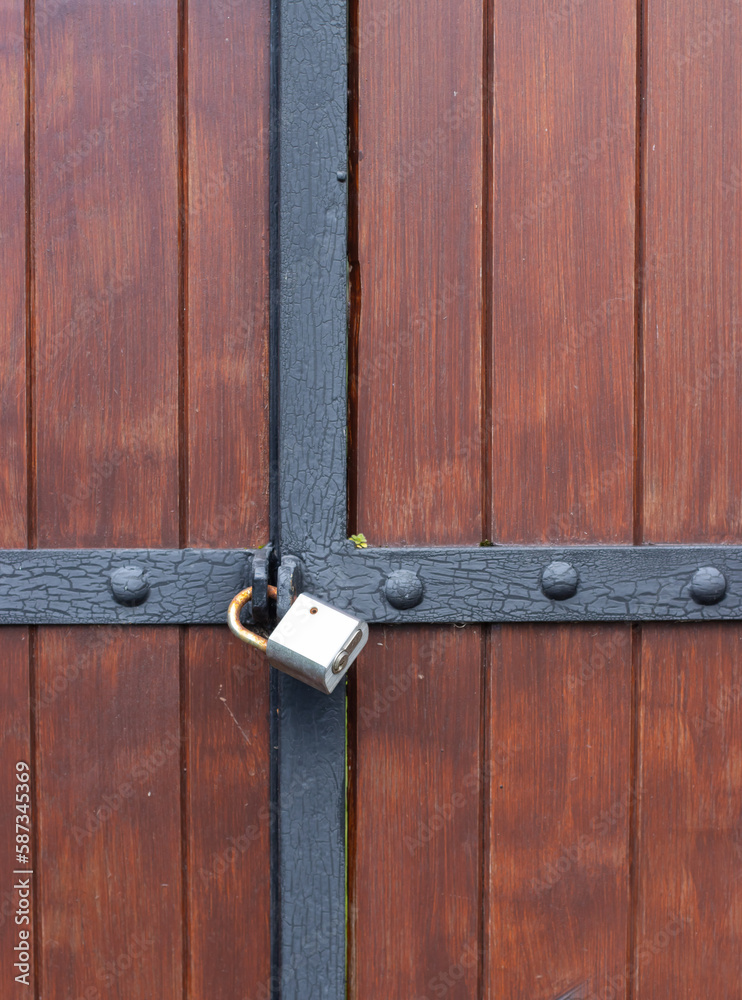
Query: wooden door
[134,199]
[546,239]
[543,208]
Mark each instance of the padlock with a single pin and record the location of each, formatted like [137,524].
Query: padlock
[313,642]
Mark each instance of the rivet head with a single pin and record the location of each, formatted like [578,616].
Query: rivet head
[708,585]
[129,586]
[559,581]
[342,176]
[403,589]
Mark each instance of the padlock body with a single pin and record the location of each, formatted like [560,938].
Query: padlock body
[311,638]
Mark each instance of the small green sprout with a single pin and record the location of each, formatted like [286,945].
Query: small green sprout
[359,541]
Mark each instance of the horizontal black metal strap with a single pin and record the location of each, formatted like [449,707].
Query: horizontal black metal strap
[120,586]
[499,584]
[509,584]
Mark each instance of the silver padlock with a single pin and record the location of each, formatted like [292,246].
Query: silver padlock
[313,642]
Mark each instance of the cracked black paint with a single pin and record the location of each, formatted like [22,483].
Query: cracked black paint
[73,586]
[310,302]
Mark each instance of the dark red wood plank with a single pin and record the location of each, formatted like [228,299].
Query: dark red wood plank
[108,775]
[229,817]
[418,277]
[13,269]
[560,801]
[416,477]
[226,238]
[15,720]
[693,307]
[108,746]
[15,748]
[563,197]
[688,934]
[415,814]
[106,274]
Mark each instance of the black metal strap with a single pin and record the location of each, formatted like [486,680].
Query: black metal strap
[120,586]
[530,584]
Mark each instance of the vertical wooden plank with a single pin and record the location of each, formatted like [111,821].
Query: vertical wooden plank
[106,274]
[563,271]
[109,782]
[561,798]
[693,308]
[15,729]
[416,395]
[689,912]
[416,782]
[15,748]
[226,239]
[229,817]
[562,403]
[13,269]
[688,935]
[418,302]
[106,283]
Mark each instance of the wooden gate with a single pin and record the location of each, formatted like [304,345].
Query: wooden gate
[540,204]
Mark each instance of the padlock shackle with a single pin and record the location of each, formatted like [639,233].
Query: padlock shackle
[233,618]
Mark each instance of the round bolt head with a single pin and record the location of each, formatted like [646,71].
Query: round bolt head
[403,589]
[708,585]
[559,581]
[129,586]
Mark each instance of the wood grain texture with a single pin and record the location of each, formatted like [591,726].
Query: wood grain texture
[693,307]
[560,799]
[13,270]
[108,745]
[15,747]
[106,274]
[227,240]
[108,773]
[563,271]
[688,933]
[15,709]
[417,384]
[415,783]
[229,817]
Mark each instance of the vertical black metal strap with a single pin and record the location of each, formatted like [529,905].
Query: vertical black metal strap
[309,311]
